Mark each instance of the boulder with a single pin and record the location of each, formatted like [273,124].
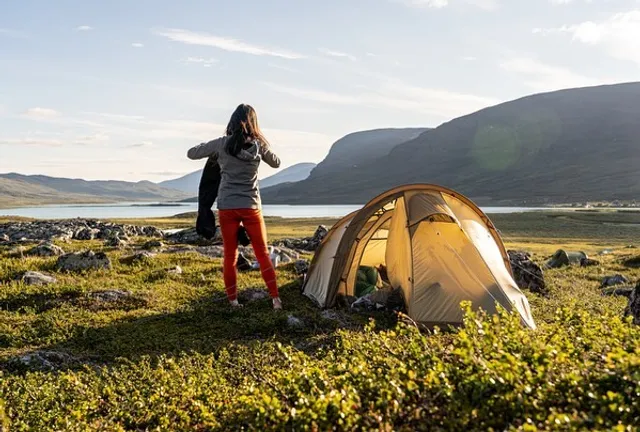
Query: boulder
[115,241]
[81,261]
[614,280]
[36,278]
[151,231]
[46,250]
[527,274]
[4,238]
[187,236]
[633,307]
[86,234]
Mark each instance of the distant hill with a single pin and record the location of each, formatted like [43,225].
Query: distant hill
[19,189]
[564,146]
[360,148]
[189,183]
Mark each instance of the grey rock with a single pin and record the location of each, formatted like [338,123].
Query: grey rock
[527,274]
[188,236]
[46,250]
[623,291]
[294,322]
[115,241]
[63,230]
[138,257]
[80,261]
[308,244]
[614,280]
[633,307]
[153,245]
[42,361]
[211,251]
[86,234]
[151,231]
[252,295]
[109,295]
[36,278]
[301,267]
[4,238]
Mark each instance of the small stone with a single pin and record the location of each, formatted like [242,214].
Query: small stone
[151,231]
[46,250]
[618,279]
[177,270]
[301,266]
[252,295]
[138,257]
[36,278]
[294,322]
[4,238]
[153,245]
[109,295]
[80,261]
[42,361]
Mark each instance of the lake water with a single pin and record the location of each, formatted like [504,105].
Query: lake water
[154,210]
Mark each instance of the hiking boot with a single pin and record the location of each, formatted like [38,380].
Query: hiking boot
[277,303]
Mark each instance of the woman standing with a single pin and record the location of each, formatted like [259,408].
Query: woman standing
[239,153]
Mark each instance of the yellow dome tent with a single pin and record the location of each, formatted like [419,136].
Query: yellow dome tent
[437,246]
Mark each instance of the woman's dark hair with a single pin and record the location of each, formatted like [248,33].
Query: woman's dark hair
[243,125]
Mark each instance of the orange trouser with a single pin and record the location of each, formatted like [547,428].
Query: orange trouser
[254,224]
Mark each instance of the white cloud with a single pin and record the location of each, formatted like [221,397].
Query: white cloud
[41,113]
[137,45]
[37,142]
[619,34]
[468,58]
[225,43]
[439,4]
[206,62]
[434,4]
[545,77]
[281,67]
[93,139]
[397,95]
[332,53]
[84,28]
[141,144]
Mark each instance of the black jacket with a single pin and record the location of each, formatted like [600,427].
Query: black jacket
[207,194]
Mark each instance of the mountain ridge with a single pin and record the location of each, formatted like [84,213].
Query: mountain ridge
[540,149]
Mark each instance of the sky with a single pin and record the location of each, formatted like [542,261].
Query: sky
[121,89]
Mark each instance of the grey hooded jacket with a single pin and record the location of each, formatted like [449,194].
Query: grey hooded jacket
[239,184]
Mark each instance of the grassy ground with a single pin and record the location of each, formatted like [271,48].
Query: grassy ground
[175,357]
